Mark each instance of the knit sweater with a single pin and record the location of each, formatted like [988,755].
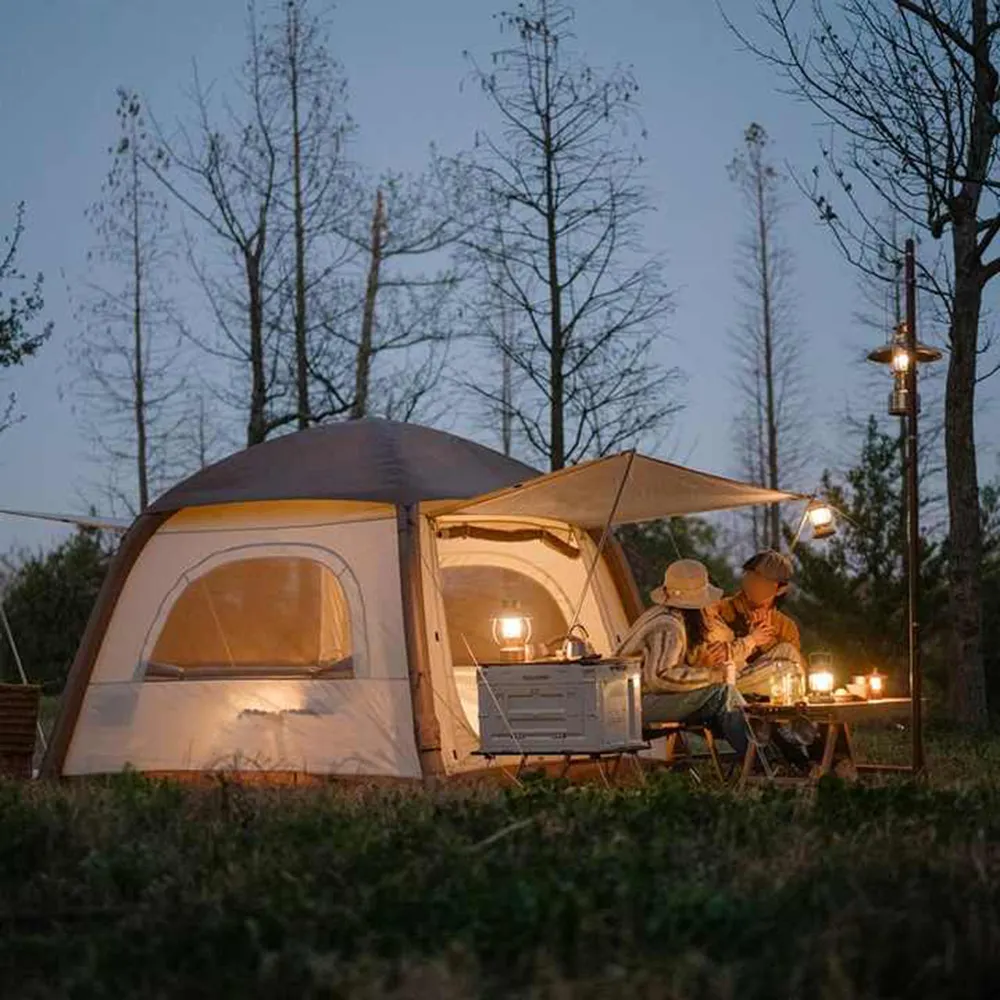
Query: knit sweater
[659,638]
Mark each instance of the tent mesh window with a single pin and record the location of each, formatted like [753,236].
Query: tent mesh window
[258,617]
[474,595]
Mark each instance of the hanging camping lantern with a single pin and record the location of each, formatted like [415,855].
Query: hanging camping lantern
[899,357]
[821,519]
[821,678]
[511,629]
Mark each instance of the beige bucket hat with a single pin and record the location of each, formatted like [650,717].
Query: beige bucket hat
[686,585]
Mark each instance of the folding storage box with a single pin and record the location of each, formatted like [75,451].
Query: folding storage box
[553,708]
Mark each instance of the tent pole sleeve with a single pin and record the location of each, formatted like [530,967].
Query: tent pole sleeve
[86,655]
[426,728]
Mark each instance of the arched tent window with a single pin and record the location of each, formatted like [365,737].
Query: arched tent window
[255,614]
[474,595]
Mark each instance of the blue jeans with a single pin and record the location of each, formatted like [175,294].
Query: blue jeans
[718,706]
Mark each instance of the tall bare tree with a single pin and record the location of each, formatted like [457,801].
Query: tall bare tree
[767,344]
[495,382]
[203,438]
[224,170]
[363,363]
[911,88]
[390,318]
[560,174]
[316,193]
[18,310]
[129,348]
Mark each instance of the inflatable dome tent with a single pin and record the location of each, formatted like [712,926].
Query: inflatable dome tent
[318,604]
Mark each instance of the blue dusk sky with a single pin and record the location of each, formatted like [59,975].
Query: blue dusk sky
[62,60]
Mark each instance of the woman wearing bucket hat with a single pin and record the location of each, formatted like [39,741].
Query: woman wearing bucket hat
[683,676]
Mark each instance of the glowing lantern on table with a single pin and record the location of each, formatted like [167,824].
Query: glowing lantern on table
[820,681]
[821,678]
[821,518]
[876,684]
[511,630]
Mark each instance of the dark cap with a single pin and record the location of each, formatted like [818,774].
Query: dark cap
[771,565]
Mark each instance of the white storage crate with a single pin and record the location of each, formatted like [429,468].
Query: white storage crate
[552,708]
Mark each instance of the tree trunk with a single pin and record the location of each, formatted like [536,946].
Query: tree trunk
[138,366]
[557,347]
[257,425]
[301,341]
[363,363]
[773,533]
[967,693]
[202,438]
[758,460]
[506,391]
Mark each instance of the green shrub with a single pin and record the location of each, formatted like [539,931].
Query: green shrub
[130,887]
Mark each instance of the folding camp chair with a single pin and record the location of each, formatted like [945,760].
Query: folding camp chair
[678,748]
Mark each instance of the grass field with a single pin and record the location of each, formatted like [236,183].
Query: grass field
[127,887]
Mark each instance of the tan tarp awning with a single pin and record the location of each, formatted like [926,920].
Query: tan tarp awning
[585,494]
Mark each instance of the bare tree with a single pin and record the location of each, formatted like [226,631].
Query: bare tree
[388,325]
[308,91]
[203,438]
[560,175]
[496,382]
[17,313]
[129,348]
[911,88]
[362,367]
[226,177]
[767,346]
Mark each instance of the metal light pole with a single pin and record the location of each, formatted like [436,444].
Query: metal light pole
[904,354]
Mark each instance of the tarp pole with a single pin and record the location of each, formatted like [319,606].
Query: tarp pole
[20,666]
[601,543]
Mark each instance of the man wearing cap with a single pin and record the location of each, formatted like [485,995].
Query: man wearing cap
[762,640]
[683,676]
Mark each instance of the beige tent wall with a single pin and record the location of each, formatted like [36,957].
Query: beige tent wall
[458,738]
[563,578]
[357,726]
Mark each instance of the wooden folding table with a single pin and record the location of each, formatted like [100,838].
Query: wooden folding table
[835,719]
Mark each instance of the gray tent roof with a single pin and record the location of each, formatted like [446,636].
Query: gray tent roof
[373,460]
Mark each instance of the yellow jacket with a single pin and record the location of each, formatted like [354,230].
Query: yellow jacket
[731,621]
